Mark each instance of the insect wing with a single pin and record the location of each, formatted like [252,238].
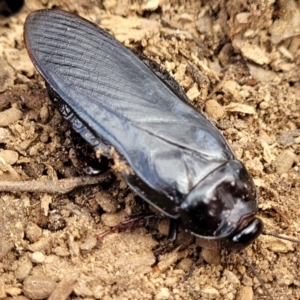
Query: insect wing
[166,142]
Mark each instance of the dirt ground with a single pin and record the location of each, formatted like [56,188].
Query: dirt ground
[239,62]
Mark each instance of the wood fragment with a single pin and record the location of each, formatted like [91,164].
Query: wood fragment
[64,287]
[61,186]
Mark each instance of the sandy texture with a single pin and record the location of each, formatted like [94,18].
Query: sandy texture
[239,62]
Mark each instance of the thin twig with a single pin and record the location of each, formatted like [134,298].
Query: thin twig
[61,186]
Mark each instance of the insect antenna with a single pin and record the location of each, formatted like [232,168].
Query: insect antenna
[260,280]
[281,237]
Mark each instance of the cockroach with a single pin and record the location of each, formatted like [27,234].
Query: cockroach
[131,111]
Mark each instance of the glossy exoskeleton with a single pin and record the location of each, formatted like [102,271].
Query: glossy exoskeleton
[177,160]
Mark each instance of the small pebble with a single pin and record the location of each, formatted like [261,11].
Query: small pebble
[82,290]
[112,220]
[245,293]
[204,24]
[164,293]
[5,135]
[210,292]
[107,202]
[264,105]
[214,110]
[277,245]
[286,280]
[89,243]
[284,161]
[255,166]
[44,114]
[7,173]
[61,251]
[23,269]
[149,5]
[37,257]
[185,264]
[9,156]
[251,51]
[43,245]
[38,287]
[247,281]
[13,291]
[231,277]
[243,17]
[10,116]
[193,92]
[33,232]
[44,137]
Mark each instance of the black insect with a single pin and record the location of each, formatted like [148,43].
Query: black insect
[176,159]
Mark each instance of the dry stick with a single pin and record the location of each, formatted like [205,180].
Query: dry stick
[65,287]
[61,186]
